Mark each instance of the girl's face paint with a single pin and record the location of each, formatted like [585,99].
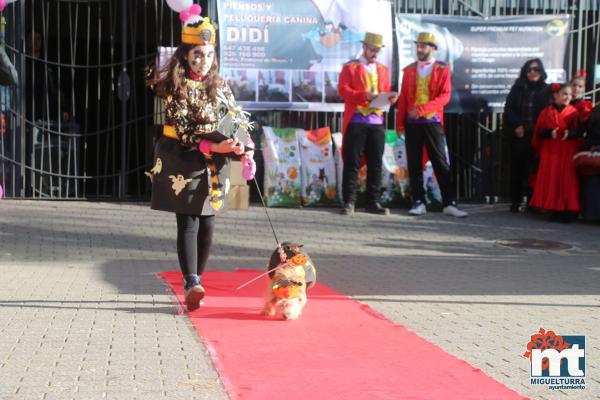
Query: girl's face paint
[201,58]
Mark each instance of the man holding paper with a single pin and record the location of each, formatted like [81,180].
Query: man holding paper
[360,82]
[424,92]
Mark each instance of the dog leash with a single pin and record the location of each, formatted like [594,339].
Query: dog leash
[279,248]
[262,200]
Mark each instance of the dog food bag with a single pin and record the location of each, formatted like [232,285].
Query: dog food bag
[282,179]
[317,168]
[339,163]
[395,172]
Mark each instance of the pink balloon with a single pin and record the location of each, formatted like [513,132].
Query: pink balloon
[190,12]
[4,3]
[179,5]
[1,190]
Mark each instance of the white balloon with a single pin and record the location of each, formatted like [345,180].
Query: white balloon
[180,5]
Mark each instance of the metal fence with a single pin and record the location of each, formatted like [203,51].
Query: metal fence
[478,150]
[80,124]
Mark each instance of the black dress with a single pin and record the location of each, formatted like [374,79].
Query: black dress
[184,180]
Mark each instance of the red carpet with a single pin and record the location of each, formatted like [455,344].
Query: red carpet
[338,349]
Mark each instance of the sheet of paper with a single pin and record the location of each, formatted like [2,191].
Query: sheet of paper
[382,100]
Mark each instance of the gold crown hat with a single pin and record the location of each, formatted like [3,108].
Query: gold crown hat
[373,39]
[427,38]
[200,32]
[196,30]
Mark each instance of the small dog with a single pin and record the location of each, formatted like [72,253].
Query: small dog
[291,273]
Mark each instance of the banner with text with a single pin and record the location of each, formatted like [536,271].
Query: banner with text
[486,55]
[287,54]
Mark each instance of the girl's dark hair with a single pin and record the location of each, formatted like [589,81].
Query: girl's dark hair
[525,67]
[170,79]
[557,87]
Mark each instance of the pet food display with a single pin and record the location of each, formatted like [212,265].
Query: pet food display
[317,168]
[395,173]
[282,179]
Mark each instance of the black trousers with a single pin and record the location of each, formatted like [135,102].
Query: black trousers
[521,163]
[194,239]
[359,139]
[432,136]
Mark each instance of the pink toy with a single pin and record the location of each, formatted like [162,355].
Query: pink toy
[248,169]
[205,146]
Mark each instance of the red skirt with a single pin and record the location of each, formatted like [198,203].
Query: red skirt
[556,185]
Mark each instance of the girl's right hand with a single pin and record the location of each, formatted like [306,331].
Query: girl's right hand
[554,133]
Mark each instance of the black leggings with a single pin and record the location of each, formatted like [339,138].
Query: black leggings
[194,238]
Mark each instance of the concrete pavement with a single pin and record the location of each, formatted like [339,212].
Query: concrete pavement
[82,315]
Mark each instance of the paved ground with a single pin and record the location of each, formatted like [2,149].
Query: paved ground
[82,315]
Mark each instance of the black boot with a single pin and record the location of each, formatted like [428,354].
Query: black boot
[376,208]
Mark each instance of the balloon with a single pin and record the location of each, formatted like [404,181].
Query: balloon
[4,3]
[177,5]
[1,192]
[190,12]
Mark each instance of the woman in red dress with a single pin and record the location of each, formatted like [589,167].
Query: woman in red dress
[555,139]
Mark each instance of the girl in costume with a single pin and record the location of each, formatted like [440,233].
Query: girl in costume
[555,139]
[190,173]
[583,105]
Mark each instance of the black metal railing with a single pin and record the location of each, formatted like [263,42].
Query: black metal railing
[80,124]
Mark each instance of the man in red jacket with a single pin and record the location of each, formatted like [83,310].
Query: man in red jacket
[363,132]
[424,93]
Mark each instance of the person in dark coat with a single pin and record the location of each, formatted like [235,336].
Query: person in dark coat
[526,99]
[590,185]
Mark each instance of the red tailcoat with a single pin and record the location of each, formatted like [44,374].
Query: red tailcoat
[556,184]
[352,87]
[439,92]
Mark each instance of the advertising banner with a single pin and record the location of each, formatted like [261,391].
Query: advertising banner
[287,54]
[486,55]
